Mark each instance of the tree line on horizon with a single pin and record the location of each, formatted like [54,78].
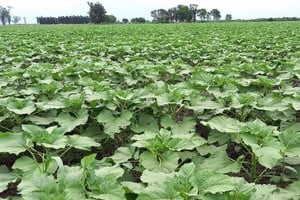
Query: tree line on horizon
[184,13]
[97,15]
[63,20]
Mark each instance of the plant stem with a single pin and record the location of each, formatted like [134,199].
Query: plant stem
[253,168]
[35,159]
[18,119]
[7,129]
[261,174]
[64,152]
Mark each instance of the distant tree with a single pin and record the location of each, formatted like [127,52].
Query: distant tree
[216,14]
[97,12]
[193,9]
[111,19]
[9,19]
[184,13]
[208,16]
[63,20]
[202,14]
[228,17]
[2,16]
[16,19]
[154,15]
[173,17]
[138,20]
[50,20]
[5,16]
[160,16]
[9,15]
[125,20]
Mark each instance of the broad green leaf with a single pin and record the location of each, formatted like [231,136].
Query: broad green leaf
[104,183]
[263,192]
[6,178]
[29,91]
[52,137]
[287,115]
[181,181]
[20,106]
[115,171]
[185,142]
[34,131]
[268,153]
[218,137]
[146,123]
[168,186]
[220,162]
[69,122]
[270,192]
[213,182]
[163,99]
[224,124]
[122,154]
[43,119]
[72,179]
[81,142]
[49,105]
[72,176]
[216,92]
[26,164]
[164,140]
[14,143]
[167,162]
[187,126]
[294,189]
[271,104]
[259,128]
[250,140]
[147,140]
[113,124]
[116,194]
[187,170]
[94,96]
[132,187]
[264,145]
[74,101]
[289,90]
[295,102]
[201,104]
[291,142]
[151,177]
[159,192]
[88,160]
[40,186]
[290,127]
[247,99]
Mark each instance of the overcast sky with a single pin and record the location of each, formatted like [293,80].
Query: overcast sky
[240,9]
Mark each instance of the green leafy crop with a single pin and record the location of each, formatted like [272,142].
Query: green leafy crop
[206,111]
